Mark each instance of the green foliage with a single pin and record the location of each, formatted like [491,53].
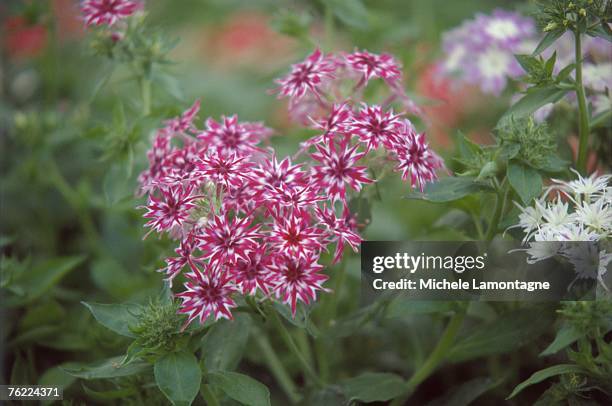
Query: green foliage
[117,317]
[109,368]
[293,24]
[588,317]
[545,374]
[583,16]
[525,180]
[566,335]
[373,387]
[450,189]
[225,343]
[157,327]
[536,143]
[508,332]
[178,376]
[241,388]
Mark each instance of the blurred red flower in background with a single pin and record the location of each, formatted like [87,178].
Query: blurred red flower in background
[22,39]
[246,38]
[450,102]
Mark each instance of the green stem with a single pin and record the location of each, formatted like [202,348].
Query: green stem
[277,368]
[286,336]
[322,354]
[497,212]
[434,359]
[208,395]
[303,343]
[583,114]
[145,91]
[329,311]
[478,225]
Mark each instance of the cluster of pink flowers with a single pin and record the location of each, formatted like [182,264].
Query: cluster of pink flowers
[108,12]
[249,223]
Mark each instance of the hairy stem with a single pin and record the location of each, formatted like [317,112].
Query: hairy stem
[277,368]
[286,336]
[435,358]
[583,113]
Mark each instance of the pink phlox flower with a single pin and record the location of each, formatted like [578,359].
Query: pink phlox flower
[415,159]
[372,65]
[108,12]
[342,230]
[230,170]
[374,127]
[160,149]
[306,76]
[224,240]
[271,173]
[253,272]
[294,196]
[184,252]
[207,292]
[232,137]
[338,166]
[171,210]
[297,279]
[292,233]
[184,122]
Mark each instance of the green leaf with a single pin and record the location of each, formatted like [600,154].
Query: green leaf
[449,189]
[301,318]
[373,387]
[20,372]
[510,331]
[225,342]
[116,317]
[402,307]
[42,277]
[526,181]
[241,388]
[488,171]
[554,164]
[133,352]
[178,376]
[109,368]
[352,13]
[603,119]
[111,277]
[467,148]
[533,100]
[509,150]
[565,72]
[528,62]
[56,376]
[293,24]
[543,374]
[108,394]
[550,64]
[566,335]
[603,31]
[547,41]
[466,393]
